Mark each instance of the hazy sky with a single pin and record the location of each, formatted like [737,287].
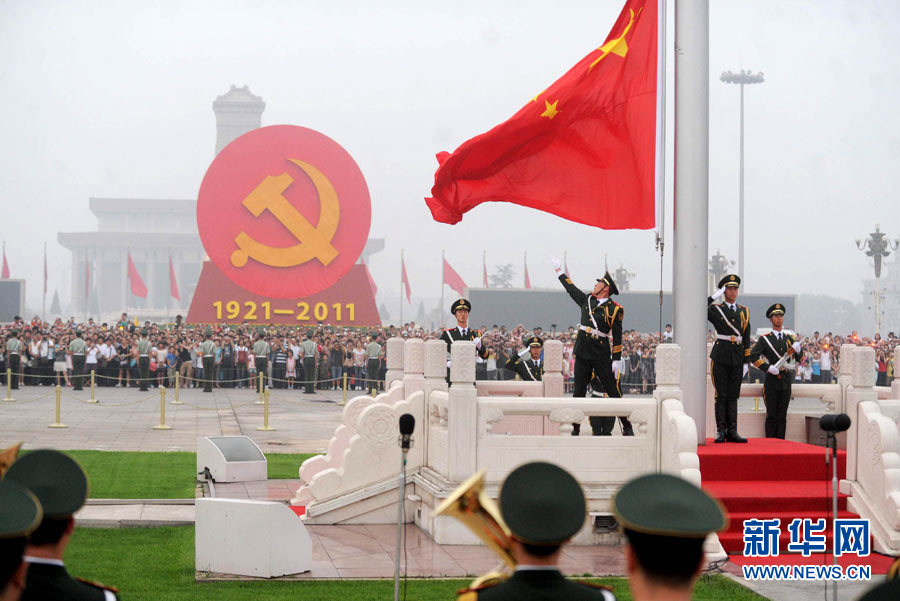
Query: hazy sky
[113,99]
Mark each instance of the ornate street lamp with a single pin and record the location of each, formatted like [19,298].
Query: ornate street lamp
[878,247]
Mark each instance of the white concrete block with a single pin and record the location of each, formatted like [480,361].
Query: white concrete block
[231,458]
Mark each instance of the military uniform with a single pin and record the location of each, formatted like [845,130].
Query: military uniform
[606,422]
[61,486]
[531,495]
[310,349]
[730,354]
[767,351]
[373,363]
[665,520]
[208,351]
[261,352]
[14,357]
[77,349]
[143,347]
[598,344]
[528,369]
[20,515]
[457,334]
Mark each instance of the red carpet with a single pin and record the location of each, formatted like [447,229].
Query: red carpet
[770,478]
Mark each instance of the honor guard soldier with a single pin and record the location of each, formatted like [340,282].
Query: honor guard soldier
[598,346]
[310,350]
[775,354]
[77,349]
[143,349]
[61,486]
[608,421]
[208,350]
[730,355]
[261,352]
[665,520]
[20,516]
[531,369]
[460,309]
[543,506]
[14,356]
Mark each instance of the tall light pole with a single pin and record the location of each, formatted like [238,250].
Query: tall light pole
[742,78]
[878,248]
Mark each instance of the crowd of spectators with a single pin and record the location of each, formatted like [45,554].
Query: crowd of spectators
[341,353]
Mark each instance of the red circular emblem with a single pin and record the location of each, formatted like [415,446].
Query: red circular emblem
[284,211]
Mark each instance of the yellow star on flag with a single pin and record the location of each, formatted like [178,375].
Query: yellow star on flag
[550,112]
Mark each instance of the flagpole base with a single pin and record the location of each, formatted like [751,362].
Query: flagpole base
[57,425]
[162,427]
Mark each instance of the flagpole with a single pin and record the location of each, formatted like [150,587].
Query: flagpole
[87,294]
[44,301]
[401,287]
[169,295]
[661,24]
[441,308]
[126,279]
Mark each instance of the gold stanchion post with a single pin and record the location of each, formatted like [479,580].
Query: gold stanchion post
[93,399]
[756,404]
[344,401]
[162,411]
[266,427]
[260,400]
[374,392]
[177,400]
[58,423]
[9,398]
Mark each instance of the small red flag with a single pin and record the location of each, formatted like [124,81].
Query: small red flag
[173,284]
[527,279]
[404,279]
[452,279]
[484,268]
[5,273]
[583,149]
[137,284]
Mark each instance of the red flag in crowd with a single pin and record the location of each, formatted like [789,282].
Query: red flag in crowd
[583,149]
[404,279]
[173,284]
[137,284]
[371,280]
[87,277]
[527,279]
[452,279]
[5,273]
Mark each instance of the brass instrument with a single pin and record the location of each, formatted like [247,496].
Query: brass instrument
[480,514]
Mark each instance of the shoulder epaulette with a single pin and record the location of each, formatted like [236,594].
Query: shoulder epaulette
[465,594]
[98,585]
[594,585]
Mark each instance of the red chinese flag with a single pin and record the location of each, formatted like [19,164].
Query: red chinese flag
[404,279]
[583,149]
[5,273]
[527,279]
[452,279]
[137,284]
[484,269]
[173,284]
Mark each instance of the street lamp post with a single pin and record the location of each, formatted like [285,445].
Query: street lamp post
[742,78]
[878,248]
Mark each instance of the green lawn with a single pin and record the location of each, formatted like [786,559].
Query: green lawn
[158,563]
[137,475]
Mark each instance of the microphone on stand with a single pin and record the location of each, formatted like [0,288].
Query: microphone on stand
[407,425]
[832,422]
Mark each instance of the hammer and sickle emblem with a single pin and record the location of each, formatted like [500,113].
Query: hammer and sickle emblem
[314,242]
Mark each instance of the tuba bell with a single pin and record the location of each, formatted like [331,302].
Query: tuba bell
[480,514]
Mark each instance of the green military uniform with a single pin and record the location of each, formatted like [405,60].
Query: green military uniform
[310,348]
[208,350]
[530,496]
[77,349]
[13,358]
[143,347]
[261,351]
[530,370]
[20,515]
[665,520]
[61,486]
[373,364]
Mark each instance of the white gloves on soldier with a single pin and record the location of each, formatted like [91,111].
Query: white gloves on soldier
[746,369]
[477,342]
[718,293]
[556,264]
[773,370]
[616,367]
[796,347]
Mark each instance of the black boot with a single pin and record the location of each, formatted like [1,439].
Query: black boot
[576,429]
[720,421]
[732,434]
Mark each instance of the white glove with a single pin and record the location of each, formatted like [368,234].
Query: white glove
[616,367]
[796,347]
[746,369]
[772,370]
[556,264]
[477,342]
[718,293]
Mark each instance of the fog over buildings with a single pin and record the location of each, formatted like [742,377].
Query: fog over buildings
[113,100]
